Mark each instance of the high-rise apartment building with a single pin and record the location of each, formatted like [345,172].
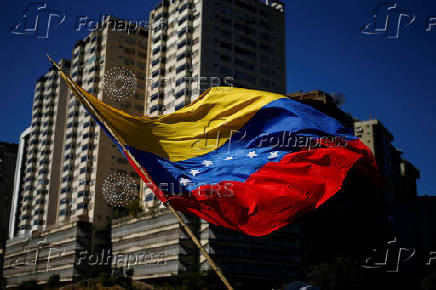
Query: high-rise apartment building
[40,187]
[198,44]
[194,45]
[400,173]
[89,156]
[59,204]
[191,46]
[19,180]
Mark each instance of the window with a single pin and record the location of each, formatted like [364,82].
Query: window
[179,106]
[156,108]
[41,191]
[65,190]
[155,96]
[71,135]
[69,156]
[82,205]
[86,147]
[85,170]
[180,68]
[180,94]
[92,59]
[83,193]
[71,124]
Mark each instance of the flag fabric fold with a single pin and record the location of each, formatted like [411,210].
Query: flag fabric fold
[248,160]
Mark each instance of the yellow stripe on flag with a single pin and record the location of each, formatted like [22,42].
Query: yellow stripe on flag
[189,132]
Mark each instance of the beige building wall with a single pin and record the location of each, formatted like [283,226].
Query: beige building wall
[199,44]
[40,184]
[67,156]
[90,156]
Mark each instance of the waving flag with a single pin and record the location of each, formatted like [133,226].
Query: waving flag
[247,160]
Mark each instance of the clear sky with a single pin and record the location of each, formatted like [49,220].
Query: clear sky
[392,79]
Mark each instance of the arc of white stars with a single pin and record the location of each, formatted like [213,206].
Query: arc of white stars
[207,163]
[273,154]
[194,172]
[184,181]
[252,154]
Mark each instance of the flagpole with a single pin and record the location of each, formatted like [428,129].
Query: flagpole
[200,246]
[154,188]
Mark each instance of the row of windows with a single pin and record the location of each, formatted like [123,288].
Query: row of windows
[155,108]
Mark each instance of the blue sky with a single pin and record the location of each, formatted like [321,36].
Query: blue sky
[390,79]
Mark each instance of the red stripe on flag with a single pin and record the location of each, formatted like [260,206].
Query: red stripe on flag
[279,192]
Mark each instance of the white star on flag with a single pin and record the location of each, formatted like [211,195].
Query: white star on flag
[273,154]
[207,163]
[229,158]
[252,154]
[184,181]
[194,172]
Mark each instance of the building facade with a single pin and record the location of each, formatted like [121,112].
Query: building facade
[20,166]
[8,156]
[198,44]
[41,254]
[66,158]
[89,156]
[38,198]
[192,45]
[400,173]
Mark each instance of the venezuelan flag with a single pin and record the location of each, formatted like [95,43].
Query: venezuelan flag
[247,160]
